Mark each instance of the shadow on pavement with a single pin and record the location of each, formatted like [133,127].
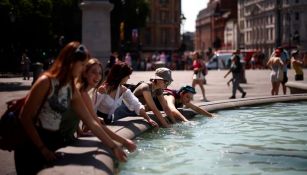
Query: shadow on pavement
[13,86]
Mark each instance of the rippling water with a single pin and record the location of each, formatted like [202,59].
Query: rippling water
[270,139]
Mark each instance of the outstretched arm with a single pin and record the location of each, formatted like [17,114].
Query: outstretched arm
[166,108]
[170,100]
[151,104]
[85,116]
[133,103]
[198,109]
[129,144]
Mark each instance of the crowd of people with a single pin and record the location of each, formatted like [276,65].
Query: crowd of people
[73,99]
[279,63]
[73,90]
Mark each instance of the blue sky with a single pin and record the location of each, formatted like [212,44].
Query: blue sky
[190,9]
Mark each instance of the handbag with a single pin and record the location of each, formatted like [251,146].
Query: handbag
[12,133]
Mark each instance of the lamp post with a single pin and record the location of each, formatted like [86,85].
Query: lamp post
[182,20]
[289,28]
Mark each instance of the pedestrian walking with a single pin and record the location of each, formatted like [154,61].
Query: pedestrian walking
[198,77]
[25,66]
[236,70]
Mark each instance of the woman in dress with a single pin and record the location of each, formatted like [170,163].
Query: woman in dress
[198,77]
[276,65]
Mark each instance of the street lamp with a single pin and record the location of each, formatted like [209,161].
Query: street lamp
[289,28]
[182,21]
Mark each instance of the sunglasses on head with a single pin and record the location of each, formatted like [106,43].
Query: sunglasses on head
[80,51]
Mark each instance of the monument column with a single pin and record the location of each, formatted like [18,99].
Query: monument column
[96,28]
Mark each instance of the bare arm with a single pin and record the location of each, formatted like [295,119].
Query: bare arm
[149,100]
[166,108]
[227,73]
[29,112]
[198,109]
[129,144]
[147,118]
[85,116]
[171,104]
[269,63]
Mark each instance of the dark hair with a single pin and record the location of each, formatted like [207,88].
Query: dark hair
[118,71]
[186,89]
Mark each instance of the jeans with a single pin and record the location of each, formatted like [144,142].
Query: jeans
[123,111]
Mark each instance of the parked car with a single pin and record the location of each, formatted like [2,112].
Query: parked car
[221,60]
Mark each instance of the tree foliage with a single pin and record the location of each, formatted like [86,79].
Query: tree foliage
[35,26]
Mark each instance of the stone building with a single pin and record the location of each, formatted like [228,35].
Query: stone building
[215,25]
[162,31]
[266,24]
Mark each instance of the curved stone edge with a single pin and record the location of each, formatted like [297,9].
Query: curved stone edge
[89,156]
[297,87]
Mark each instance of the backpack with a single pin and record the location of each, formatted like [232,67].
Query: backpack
[132,87]
[11,130]
[12,133]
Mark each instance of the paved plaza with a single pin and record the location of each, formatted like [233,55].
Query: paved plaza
[258,84]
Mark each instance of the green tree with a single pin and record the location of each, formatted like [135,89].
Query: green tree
[36,26]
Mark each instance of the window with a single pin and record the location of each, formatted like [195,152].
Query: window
[163,2]
[297,16]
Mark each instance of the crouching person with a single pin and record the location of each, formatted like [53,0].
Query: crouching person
[178,98]
[115,101]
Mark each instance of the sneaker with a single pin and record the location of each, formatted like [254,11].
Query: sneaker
[243,94]
[232,97]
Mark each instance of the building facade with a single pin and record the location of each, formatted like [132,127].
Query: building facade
[215,25]
[162,31]
[267,24]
